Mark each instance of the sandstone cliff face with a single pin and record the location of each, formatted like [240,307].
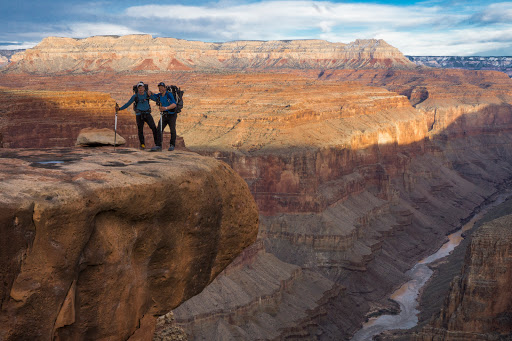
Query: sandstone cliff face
[357,174]
[356,203]
[42,118]
[479,304]
[95,245]
[143,53]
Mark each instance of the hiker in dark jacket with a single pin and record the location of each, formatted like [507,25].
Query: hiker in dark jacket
[143,114]
[167,106]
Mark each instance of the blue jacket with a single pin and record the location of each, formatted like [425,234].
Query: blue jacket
[165,100]
[142,105]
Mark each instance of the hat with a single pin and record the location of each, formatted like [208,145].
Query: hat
[140,84]
[161,84]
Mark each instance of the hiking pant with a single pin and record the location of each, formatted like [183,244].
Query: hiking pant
[151,123]
[169,119]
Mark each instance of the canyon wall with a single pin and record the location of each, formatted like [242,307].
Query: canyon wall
[496,63]
[146,54]
[5,56]
[353,197]
[358,174]
[479,303]
[96,245]
[44,118]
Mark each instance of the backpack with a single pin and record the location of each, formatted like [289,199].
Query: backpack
[178,97]
[136,101]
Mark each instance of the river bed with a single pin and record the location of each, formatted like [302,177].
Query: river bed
[407,295]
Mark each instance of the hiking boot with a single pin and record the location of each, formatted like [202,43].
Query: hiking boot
[142,146]
[156,149]
[171,148]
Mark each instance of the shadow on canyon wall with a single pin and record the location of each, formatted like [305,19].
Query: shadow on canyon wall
[46,119]
[361,225]
[345,223]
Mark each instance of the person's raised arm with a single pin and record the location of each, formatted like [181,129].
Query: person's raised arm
[128,103]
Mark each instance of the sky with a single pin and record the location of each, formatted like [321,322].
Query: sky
[417,28]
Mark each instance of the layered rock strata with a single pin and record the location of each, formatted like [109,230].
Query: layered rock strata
[479,304]
[496,63]
[352,202]
[90,137]
[43,118]
[143,53]
[358,175]
[95,245]
[257,285]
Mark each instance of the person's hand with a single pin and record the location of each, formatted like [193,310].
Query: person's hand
[117,107]
[150,93]
[161,108]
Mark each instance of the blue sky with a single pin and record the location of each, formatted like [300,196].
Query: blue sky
[429,27]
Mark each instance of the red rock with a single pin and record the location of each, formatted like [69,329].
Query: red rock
[142,52]
[99,137]
[102,243]
[353,182]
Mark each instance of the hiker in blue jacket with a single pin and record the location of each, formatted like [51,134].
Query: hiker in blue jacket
[167,106]
[143,114]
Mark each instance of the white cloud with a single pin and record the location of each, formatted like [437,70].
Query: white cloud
[431,27]
[82,30]
[495,13]
[278,18]
[18,46]
[461,42]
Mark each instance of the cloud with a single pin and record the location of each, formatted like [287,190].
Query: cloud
[443,27]
[82,30]
[493,14]
[14,45]
[280,19]
[461,42]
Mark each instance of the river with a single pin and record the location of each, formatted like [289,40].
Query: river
[407,294]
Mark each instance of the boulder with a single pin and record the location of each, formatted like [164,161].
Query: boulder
[93,137]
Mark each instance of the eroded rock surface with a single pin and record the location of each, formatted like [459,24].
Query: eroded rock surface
[99,137]
[96,244]
[358,174]
[479,303]
[42,118]
[143,53]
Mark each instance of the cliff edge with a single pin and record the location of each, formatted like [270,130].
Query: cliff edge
[96,244]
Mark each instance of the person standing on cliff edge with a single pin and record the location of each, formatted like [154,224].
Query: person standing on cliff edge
[167,106]
[143,114]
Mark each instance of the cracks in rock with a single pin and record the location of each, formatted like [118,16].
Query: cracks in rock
[433,123]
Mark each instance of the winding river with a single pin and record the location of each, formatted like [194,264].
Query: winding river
[407,294]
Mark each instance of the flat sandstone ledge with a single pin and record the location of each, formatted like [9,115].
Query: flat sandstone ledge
[95,244]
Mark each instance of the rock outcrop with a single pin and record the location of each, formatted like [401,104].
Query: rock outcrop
[42,118]
[496,63]
[143,53]
[91,137]
[96,245]
[3,61]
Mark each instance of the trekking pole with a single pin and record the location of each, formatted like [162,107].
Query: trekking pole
[161,126]
[115,128]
